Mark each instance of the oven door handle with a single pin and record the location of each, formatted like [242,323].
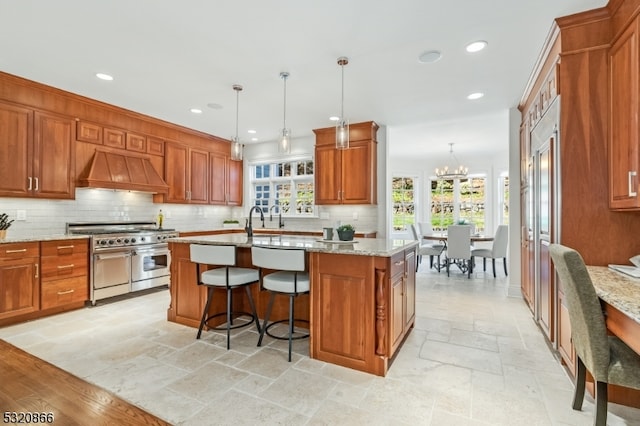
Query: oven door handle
[112,256]
[155,252]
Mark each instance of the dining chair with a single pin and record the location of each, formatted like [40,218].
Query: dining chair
[225,276]
[426,249]
[498,250]
[607,358]
[459,248]
[290,279]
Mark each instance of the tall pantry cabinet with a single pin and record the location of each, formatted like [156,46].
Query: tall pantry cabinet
[570,120]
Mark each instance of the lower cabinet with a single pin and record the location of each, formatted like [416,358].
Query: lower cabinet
[65,278]
[402,297]
[19,279]
[42,278]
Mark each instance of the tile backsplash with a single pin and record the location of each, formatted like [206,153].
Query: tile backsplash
[49,217]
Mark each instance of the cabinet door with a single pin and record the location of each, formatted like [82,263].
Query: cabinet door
[176,172]
[114,138]
[217,178]
[396,328]
[88,132]
[137,143]
[327,175]
[409,289]
[357,174]
[16,136]
[234,182]
[624,173]
[199,176]
[53,157]
[19,290]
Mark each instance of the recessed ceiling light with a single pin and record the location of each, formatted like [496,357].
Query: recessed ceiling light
[254,139]
[213,105]
[253,132]
[430,56]
[334,118]
[474,96]
[196,110]
[476,46]
[103,76]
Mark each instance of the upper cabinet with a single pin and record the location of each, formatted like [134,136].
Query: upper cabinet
[347,176]
[624,152]
[37,155]
[196,176]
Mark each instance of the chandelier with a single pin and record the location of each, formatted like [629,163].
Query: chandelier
[236,146]
[458,172]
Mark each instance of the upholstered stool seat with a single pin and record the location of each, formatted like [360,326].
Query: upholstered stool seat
[225,276]
[290,279]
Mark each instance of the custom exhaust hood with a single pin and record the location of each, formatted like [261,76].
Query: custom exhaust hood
[123,171]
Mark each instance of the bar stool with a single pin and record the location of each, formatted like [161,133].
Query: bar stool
[228,277]
[290,280]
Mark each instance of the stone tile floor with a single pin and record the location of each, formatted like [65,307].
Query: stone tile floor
[475,357]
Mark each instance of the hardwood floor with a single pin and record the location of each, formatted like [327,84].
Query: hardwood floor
[31,385]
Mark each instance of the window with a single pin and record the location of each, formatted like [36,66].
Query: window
[404,203]
[288,185]
[504,199]
[458,200]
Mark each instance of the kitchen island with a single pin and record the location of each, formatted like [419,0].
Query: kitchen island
[360,307]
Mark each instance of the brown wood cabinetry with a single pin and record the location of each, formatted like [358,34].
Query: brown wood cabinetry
[201,177]
[402,297]
[346,176]
[624,146]
[65,273]
[19,279]
[115,138]
[187,174]
[37,157]
[225,180]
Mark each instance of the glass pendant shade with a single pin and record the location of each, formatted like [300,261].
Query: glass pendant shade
[342,134]
[284,139]
[342,128]
[236,150]
[236,146]
[284,142]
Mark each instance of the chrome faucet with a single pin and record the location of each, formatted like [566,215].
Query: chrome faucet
[280,221]
[248,228]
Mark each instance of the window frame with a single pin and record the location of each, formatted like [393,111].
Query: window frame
[272,181]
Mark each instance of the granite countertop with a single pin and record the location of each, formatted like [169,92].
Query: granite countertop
[617,289]
[36,238]
[359,246]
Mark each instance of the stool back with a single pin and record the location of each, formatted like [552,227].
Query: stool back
[213,255]
[278,258]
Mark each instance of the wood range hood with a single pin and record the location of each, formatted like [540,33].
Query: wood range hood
[123,171]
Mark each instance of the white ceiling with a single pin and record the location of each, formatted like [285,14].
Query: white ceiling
[168,56]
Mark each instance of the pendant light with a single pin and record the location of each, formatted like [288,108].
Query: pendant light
[457,172]
[284,140]
[236,146]
[342,128]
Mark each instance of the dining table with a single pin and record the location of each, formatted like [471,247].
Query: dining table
[442,236]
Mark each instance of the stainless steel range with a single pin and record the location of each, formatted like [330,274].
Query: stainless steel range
[125,256]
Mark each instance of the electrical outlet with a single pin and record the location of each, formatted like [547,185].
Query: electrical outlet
[355,215]
[325,215]
[167,214]
[21,215]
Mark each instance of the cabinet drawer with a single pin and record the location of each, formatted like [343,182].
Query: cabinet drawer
[114,138]
[88,132]
[155,146]
[56,267]
[19,250]
[397,264]
[63,247]
[61,292]
[136,143]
